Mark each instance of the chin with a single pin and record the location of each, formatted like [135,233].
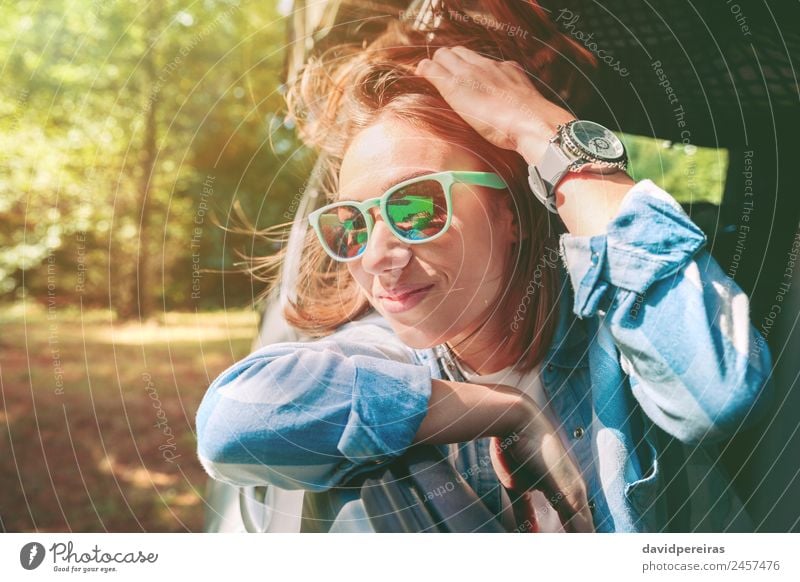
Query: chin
[417,339]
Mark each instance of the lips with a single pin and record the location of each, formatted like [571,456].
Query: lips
[397,293]
[403,298]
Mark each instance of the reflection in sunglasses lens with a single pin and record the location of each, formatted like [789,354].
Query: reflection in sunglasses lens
[344,231]
[418,211]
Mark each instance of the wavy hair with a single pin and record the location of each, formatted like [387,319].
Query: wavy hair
[347,87]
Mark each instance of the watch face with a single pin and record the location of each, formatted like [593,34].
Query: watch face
[597,140]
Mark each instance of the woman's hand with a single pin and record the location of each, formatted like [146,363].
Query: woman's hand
[527,452]
[496,98]
[532,457]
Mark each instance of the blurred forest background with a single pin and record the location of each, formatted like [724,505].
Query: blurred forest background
[126,126]
[128,131]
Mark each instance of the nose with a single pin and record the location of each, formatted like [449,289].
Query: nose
[385,252]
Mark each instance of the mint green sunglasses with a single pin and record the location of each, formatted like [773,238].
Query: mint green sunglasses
[417,211]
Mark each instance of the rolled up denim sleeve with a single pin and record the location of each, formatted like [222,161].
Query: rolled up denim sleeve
[697,366]
[310,415]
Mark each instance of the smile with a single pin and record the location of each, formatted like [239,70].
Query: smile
[404,301]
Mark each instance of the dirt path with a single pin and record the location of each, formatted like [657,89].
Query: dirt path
[97,419]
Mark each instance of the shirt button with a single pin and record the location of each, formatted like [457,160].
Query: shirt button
[549,367]
[595,258]
[578,432]
[591,505]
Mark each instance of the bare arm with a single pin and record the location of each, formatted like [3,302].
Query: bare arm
[460,412]
[532,458]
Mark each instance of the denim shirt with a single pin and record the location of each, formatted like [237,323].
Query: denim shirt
[654,362]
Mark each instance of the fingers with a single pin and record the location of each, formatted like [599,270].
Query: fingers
[450,59]
[431,69]
[438,75]
[502,468]
[514,67]
[567,490]
[455,59]
[524,512]
[469,55]
[581,522]
[444,62]
[573,511]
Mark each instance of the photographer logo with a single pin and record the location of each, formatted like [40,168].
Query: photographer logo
[31,555]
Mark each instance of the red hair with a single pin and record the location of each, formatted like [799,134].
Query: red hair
[346,89]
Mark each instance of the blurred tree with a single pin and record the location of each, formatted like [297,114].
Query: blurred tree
[124,127]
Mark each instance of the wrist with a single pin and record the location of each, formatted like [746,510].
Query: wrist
[580,151]
[588,202]
[533,136]
[509,411]
[523,412]
[461,411]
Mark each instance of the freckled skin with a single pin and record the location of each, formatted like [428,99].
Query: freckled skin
[466,264]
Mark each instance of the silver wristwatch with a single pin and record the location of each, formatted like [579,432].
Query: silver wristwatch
[578,146]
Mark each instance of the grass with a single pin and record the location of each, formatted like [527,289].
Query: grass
[690,174]
[97,418]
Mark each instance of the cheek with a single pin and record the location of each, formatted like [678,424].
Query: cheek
[483,250]
[477,220]
[363,280]
[477,242]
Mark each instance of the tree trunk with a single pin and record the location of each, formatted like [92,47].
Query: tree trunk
[143,291]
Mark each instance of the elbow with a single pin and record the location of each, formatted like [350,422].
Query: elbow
[749,403]
[741,392]
[248,450]
[738,404]
[216,447]
[232,461]
[237,441]
[710,412]
[214,452]
[746,391]
[227,443]
[218,470]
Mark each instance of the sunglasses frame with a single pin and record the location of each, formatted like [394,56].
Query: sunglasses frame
[446,179]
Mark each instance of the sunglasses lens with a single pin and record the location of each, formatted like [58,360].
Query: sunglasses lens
[344,231]
[419,210]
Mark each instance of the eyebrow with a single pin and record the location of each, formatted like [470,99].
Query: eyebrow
[393,182]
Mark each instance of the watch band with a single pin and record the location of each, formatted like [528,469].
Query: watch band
[544,178]
[563,155]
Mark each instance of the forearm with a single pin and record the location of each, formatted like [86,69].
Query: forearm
[586,201]
[309,415]
[461,412]
[533,458]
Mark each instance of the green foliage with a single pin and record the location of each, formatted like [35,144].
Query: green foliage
[691,174]
[89,185]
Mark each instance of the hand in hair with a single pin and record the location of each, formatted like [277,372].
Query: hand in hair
[496,98]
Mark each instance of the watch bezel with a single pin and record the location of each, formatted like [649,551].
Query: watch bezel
[570,141]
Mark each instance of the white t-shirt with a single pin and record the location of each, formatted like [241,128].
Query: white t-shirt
[531,385]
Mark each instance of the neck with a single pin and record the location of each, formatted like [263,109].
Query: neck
[487,349]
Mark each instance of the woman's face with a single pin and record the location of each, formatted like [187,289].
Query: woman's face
[439,291]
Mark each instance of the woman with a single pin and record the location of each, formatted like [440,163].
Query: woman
[585,361]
